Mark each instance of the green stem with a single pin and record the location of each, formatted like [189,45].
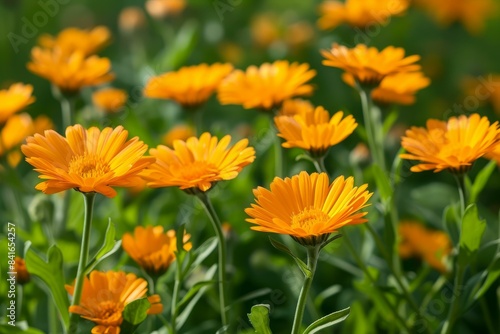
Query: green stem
[373,128]
[278,156]
[455,305]
[52,314]
[360,263]
[216,224]
[319,164]
[460,178]
[312,261]
[175,294]
[67,109]
[84,257]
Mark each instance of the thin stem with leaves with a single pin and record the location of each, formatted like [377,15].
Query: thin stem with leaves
[84,258]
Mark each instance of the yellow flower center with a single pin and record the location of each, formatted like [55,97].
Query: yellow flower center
[308,218]
[197,170]
[88,165]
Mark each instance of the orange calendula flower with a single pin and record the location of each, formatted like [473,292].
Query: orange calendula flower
[14,99]
[307,207]
[190,86]
[367,65]
[178,132]
[314,131]
[267,86]
[295,106]
[152,248]
[106,294]
[110,100]
[71,72]
[399,88]
[198,163]
[471,13]
[15,131]
[359,13]
[160,9]
[87,160]
[22,274]
[453,145]
[418,241]
[69,40]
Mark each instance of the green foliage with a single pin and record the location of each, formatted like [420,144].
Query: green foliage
[134,314]
[327,321]
[471,234]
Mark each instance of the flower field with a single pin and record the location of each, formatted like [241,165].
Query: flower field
[232,166]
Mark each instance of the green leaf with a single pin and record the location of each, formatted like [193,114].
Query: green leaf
[327,321]
[279,246]
[450,219]
[194,289]
[327,293]
[390,120]
[9,329]
[201,253]
[471,234]
[179,50]
[481,180]
[383,184]
[179,238]
[182,318]
[493,274]
[51,273]
[109,246]
[259,317]
[134,314]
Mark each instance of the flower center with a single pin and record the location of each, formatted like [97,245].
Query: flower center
[88,165]
[109,309]
[197,170]
[308,218]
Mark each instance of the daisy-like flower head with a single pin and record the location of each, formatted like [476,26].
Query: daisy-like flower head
[106,294]
[71,72]
[367,65]
[307,207]
[178,132]
[418,241]
[471,13]
[14,99]
[452,145]
[314,131]
[359,13]
[69,40]
[152,248]
[110,100]
[295,106]
[15,131]
[399,88]
[86,160]
[198,163]
[267,86]
[190,86]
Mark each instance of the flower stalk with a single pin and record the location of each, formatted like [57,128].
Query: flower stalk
[312,261]
[84,256]
[221,245]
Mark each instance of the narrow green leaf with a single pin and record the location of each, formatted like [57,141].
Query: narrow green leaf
[51,273]
[182,318]
[471,234]
[325,294]
[481,180]
[493,274]
[279,246]
[259,317]
[390,120]
[179,236]
[194,289]
[109,246]
[9,329]
[327,321]
[202,252]
[134,314]
[383,184]
[450,222]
